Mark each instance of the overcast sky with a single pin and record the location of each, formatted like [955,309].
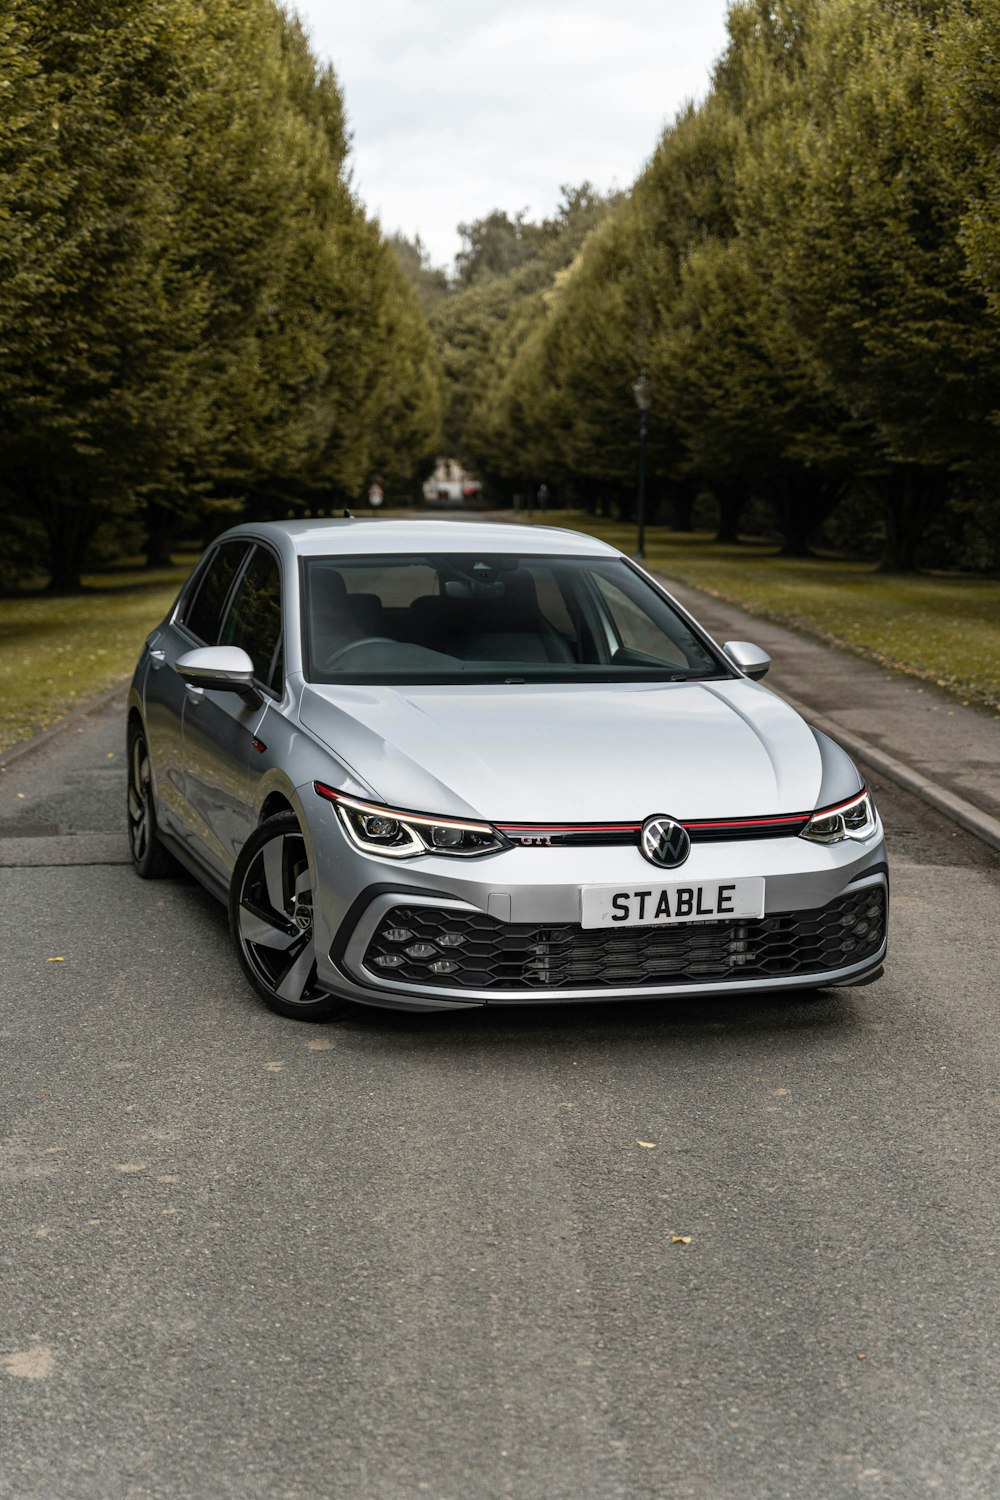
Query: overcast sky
[457,108]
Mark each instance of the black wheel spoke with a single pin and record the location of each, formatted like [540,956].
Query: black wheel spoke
[266,928]
[275,874]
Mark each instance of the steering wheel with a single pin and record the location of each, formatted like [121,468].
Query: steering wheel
[366,640]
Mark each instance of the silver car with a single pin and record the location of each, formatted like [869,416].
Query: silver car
[432,764]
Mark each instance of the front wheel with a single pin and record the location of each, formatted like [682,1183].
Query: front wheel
[271,921]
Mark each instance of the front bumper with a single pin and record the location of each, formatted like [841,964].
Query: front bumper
[519,915]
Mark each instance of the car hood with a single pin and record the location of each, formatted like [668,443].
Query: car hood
[573,752]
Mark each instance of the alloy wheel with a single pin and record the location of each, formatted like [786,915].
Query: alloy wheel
[274,922]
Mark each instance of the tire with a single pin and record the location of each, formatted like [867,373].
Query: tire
[270,919]
[150,860]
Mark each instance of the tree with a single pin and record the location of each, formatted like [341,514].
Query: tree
[430,282]
[192,302]
[852,210]
[93,324]
[481,326]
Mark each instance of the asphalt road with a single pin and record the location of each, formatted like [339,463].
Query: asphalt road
[429,1256]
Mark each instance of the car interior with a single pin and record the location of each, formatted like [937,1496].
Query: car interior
[460,614]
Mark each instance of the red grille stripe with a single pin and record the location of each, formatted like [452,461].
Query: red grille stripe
[751,822]
[568,827]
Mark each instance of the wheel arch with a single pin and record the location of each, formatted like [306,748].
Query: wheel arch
[275,802]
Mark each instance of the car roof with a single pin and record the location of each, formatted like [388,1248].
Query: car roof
[352,535]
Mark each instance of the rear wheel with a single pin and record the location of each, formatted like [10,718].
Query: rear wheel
[271,920]
[149,858]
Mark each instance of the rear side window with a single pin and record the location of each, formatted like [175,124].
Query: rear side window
[254,619]
[203,615]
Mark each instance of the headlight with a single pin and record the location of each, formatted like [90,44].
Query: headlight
[856,819]
[405,835]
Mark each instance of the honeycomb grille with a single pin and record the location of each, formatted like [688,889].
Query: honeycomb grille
[468,950]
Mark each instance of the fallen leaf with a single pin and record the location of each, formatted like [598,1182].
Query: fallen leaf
[21,796]
[29,1364]
[649,1145]
[55,960]
[680,1239]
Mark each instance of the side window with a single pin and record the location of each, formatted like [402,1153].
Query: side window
[203,614]
[254,619]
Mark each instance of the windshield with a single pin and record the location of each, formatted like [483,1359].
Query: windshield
[450,617]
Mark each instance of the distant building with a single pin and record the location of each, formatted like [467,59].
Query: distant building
[450,484]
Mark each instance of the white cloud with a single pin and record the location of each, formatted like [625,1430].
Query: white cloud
[457,109]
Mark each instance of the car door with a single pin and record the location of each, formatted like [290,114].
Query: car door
[219,727]
[196,621]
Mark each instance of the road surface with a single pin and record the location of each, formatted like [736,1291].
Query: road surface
[725,1251]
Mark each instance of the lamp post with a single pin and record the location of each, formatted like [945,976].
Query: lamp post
[641,391]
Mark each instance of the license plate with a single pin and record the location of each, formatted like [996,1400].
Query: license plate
[666,905]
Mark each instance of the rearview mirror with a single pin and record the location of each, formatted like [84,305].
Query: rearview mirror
[748,657]
[222,669]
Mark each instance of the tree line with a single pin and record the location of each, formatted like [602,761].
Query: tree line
[198,320]
[807,271]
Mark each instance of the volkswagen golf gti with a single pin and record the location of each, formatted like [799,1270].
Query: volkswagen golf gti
[433,764]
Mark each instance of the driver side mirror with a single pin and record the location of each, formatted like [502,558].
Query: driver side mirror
[748,657]
[222,669]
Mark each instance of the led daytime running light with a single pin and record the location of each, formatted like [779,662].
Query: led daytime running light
[832,825]
[408,839]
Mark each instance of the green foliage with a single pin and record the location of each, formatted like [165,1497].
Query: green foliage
[506,273]
[430,282]
[968,79]
[192,303]
[808,270]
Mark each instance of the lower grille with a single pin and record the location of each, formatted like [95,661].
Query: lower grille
[426,945]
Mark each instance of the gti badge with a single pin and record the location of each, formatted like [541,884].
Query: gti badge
[664,842]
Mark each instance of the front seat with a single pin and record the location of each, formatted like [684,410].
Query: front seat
[513,628]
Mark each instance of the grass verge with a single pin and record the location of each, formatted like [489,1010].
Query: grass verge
[57,653]
[940,627]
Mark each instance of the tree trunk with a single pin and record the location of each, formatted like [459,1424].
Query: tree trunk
[623,502]
[69,529]
[682,517]
[732,501]
[803,502]
[161,526]
[912,497]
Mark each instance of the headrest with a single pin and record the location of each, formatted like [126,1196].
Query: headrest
[329,586]
[520,590]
